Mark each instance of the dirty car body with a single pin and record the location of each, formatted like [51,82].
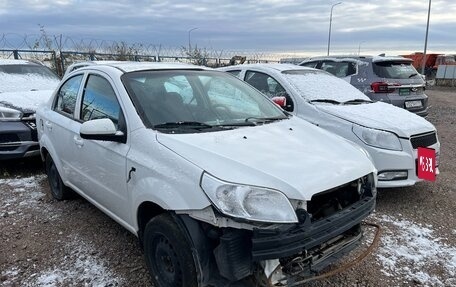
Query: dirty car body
[205,170]
[24,85]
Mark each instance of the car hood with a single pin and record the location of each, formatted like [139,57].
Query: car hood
[292,156]
[381,116]
[27,101]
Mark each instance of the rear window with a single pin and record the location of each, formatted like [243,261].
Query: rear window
[395,70]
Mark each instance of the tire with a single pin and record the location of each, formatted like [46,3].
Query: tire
[58,190]
[168,253]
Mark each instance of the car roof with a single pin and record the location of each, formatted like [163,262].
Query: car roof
[130,66]
[379,58]
[268,66]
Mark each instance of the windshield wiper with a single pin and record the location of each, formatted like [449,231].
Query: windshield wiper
[183,124]
[413,75]
[264,120]
[325,101]
[356,101]
[239,124]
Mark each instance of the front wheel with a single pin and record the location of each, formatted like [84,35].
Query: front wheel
[58,190]
[168,253]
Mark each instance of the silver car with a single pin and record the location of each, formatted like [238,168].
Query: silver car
[387,79]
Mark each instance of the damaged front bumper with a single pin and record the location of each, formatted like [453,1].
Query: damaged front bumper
[300,249]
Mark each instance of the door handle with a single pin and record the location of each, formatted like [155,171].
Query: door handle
[78,141]
[48,124]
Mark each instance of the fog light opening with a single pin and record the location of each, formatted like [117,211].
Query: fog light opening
[392,175]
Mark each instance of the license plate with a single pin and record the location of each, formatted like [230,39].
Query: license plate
[413,104]
[404,91]
[426,164]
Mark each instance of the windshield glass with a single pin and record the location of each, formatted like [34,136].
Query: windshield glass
[320,86]
[34,70]
[199,100]
[395,70]
[23,77]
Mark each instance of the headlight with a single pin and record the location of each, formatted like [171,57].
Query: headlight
[377,138]
[7,114]
[248,202]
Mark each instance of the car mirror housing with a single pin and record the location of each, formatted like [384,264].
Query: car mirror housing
[280,101]
[101,129]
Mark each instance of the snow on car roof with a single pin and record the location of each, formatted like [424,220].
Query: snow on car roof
[377,59]
[340,59]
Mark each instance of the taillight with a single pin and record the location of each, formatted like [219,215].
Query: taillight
[382,87]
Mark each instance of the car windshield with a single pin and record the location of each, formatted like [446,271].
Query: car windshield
[395,70]
[33,70]
[23,77]
[195,100]
[317,86]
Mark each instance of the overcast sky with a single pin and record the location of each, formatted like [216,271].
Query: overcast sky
[391,26]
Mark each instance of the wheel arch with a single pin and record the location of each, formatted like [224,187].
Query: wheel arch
[145,212]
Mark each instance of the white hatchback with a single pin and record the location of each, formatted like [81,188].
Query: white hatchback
[215,179]
[390,134]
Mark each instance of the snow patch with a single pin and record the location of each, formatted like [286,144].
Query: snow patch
[317,85]
[414,253]
[80,266]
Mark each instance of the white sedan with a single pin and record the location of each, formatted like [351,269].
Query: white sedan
[215,179]
[391,135]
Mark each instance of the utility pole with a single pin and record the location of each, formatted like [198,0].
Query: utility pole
[330,22]
[426,40]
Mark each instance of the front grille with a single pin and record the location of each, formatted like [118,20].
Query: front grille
[8,138]
[329,202]
[423,140]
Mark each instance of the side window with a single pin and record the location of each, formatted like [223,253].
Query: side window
[99,101]
[264,83]
[235,73]
[339,69]
[268,86]
[67,95]
[309,64]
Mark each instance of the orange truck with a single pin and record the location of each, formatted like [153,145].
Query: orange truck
[432,61]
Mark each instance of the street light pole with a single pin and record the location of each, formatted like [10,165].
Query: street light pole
[359,47]
[423,64]
[330,22]
[189,45]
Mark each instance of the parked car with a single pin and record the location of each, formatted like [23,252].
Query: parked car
[392,80]
[24,85]
[214,179]
[390,134]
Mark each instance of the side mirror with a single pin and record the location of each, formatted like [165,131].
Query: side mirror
[280,101]
[102,130]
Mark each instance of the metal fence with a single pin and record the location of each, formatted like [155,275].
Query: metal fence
[58,51]
[446,75]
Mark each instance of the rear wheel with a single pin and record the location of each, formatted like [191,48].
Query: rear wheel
[58,190]
[168,253]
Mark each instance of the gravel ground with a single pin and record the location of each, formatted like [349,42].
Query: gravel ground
[48,243]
